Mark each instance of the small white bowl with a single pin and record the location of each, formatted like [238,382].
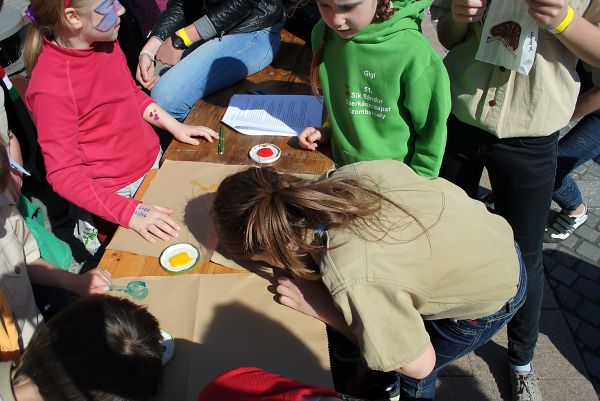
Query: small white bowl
[273,153]
[173,250]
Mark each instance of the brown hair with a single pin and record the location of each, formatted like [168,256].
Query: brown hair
[259,211]
[47,14]
[383,12]
[101,348]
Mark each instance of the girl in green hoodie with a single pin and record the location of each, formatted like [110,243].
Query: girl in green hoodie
[386,89]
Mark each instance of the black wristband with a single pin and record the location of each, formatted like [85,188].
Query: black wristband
[178,43]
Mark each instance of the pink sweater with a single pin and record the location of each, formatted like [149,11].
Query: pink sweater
[88,114]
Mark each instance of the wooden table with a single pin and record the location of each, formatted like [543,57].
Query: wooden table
[288,74]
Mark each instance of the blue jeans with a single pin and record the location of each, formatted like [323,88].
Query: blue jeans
[213,65]
[578,146]
[453,339]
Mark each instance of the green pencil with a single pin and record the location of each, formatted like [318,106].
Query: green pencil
[221,147]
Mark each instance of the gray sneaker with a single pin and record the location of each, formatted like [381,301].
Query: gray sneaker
[525,387]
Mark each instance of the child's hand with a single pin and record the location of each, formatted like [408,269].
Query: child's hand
[94,282]
[167,54]
[152,221]
[310,137]
[468,10]
[306,296]
[145,71]
[548,13]
[186,133]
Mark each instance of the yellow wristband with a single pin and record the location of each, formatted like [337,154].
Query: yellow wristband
[327,124]
[564,24]
[183,35]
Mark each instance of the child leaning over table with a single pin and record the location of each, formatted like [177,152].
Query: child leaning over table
[385,88]
[93,122]
[20,262]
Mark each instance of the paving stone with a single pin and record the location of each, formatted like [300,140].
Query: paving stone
[587,288]
[573,321]
[460,389]
[589,251]
[567,390]
[588,233]
[570,242]
[592,220]
[549,261]
[556,355]
[567,297]
[563,275]
[589,271]
[563,257]
[593,168]
[590,312]
[593,363]
[589,335]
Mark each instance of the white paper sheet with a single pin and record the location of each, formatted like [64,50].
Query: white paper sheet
[284,115]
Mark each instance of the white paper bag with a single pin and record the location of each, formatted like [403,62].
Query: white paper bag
[509,36]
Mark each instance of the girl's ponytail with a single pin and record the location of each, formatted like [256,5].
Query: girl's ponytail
[32,47]
[44,15]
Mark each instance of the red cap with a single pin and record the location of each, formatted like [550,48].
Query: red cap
[67,3]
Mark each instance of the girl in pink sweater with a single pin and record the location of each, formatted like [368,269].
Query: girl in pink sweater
[92,120]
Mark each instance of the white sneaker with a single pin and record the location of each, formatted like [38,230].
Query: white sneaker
[563,225]
[525,386]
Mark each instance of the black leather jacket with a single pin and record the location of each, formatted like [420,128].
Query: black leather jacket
[227,16]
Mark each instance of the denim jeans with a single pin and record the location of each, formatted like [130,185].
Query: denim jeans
[521,172]
[578,146]
[213,65]
[453,339]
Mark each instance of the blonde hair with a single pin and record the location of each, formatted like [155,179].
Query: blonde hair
[383,12]
[47,14]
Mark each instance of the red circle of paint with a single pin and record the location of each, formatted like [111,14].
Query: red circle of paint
[265,152]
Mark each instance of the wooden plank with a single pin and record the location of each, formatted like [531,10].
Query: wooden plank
[288,74]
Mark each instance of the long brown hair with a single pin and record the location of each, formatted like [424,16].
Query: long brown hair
[383,12]
[47,14]
[259,211]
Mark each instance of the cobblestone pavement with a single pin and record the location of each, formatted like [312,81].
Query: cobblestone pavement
[573,272]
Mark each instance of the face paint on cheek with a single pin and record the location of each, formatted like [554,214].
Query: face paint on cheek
[109,9]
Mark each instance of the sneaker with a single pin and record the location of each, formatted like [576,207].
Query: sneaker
[563,225]
[525,386]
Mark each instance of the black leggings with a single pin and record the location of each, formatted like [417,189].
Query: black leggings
[521,172]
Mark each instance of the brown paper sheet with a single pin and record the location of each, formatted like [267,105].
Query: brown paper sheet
[221,322]
[187,188]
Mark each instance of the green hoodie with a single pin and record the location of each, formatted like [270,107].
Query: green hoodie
[386,91]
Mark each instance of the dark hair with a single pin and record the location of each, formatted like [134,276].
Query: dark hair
[259,211]
[102,348]
[383,12]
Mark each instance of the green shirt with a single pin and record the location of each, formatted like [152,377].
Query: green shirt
[466,267]
[387,92]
